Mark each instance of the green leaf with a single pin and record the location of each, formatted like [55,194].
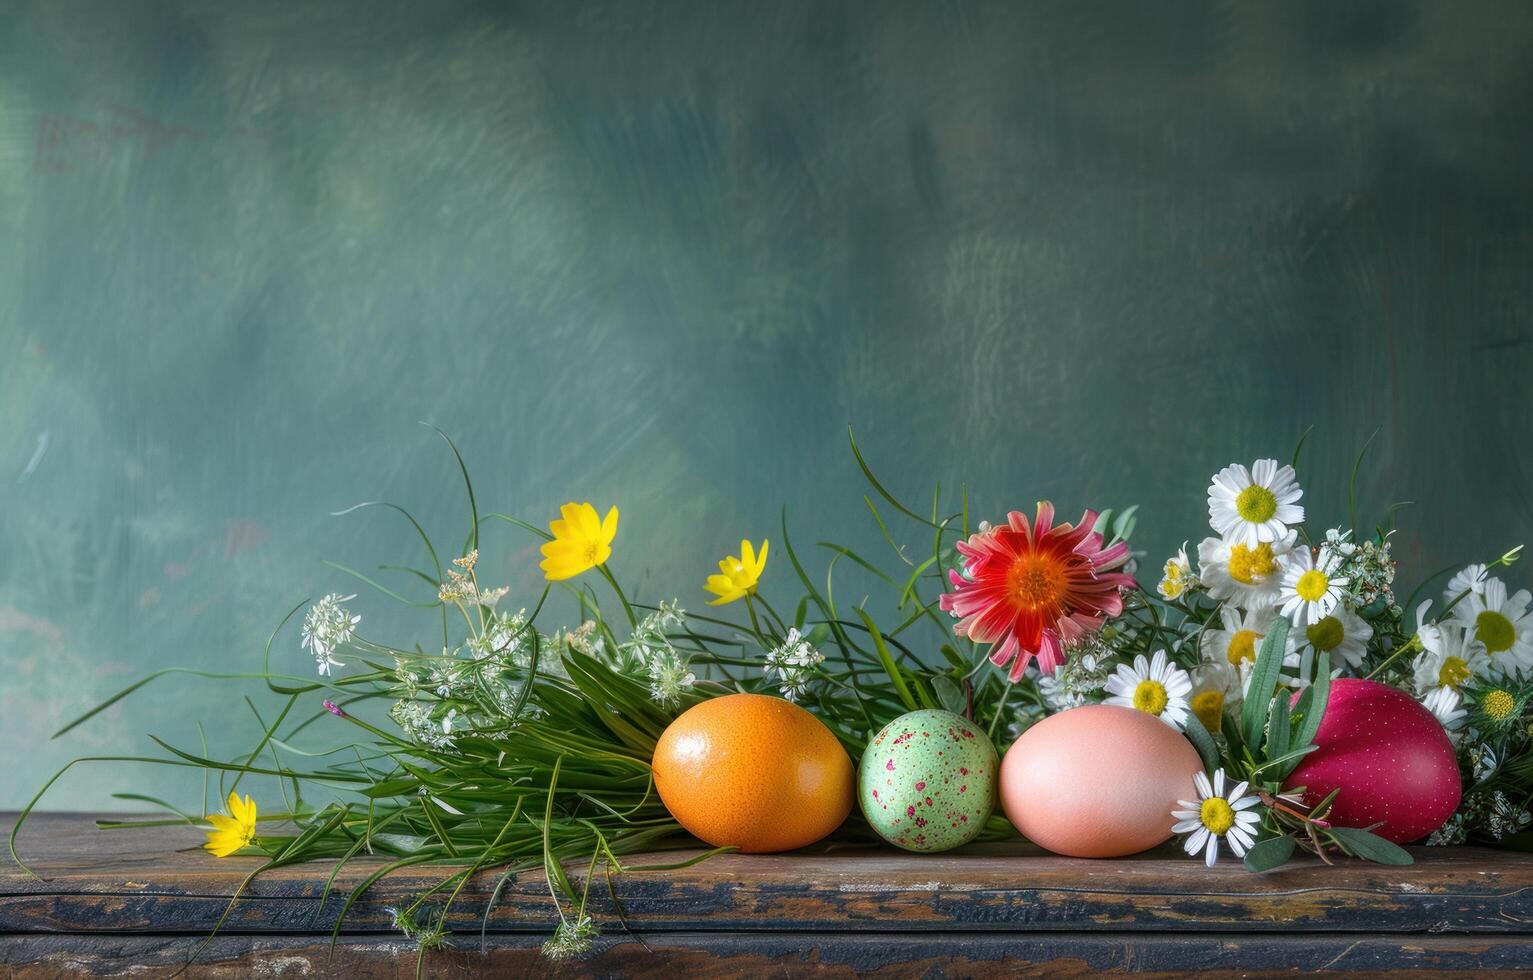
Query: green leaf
[1277,726]
[1300,447]
[1203,742]
[896,677]
[1103,525]
[1264,677]
[1124,525]
[1280,761]
[1269,853]
[1370,847]
[949,694]
[1319,694]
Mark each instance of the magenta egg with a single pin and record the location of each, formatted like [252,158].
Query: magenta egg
[1389,757]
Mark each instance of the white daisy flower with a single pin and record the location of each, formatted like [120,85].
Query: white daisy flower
[1233,649]
[1256,505]
[1471,579]
[327,627]
[1502,623]
[1233,816]
[1176,577]
[1247,575]
[1450,657]
[1215,686]
[1343,634]
[1157,686]
[1446,706]
[1312,586]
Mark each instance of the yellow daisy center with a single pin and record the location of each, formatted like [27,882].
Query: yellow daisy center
[1242,646]
[1256,504]
[1326,635]
[1312,585]
[1217,815]
[1495,631]
[1150,696]
[1209,707]
[1248,566]
[1453,673]
[1497,705]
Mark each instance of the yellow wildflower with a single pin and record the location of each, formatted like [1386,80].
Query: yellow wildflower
[581,541]
[738,576]
[232,832]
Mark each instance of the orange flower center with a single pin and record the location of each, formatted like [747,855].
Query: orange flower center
[1037,580]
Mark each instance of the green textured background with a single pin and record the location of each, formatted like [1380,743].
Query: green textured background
[662,254]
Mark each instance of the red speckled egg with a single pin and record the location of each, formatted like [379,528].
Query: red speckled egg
[1097,781]
[1389,757]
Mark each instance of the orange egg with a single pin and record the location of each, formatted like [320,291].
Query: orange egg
[758,773]
[1098,781]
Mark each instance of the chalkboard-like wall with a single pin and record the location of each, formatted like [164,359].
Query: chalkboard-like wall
[662,254]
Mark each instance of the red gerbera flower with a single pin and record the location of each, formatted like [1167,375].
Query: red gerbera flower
[1029,590]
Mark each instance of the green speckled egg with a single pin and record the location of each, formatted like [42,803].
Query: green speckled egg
[927,781]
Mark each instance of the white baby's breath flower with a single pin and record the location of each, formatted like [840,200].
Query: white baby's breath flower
[1340,542]
[571,939]
[670,676]
[327,627]
[796,663]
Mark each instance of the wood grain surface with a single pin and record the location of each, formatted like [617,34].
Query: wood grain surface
[158,881]
[669,956]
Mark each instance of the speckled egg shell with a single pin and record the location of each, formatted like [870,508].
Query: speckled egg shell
[927,781]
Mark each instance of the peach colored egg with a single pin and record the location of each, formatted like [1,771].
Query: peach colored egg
[1097,781]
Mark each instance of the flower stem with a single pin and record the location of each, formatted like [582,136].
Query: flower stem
[612,581]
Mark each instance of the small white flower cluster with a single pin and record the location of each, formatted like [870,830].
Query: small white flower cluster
[649,652]
[582,639]
[328,627]
[1370,571]
[795,664]
[425,726]
[1081,678]
[503,639]
[571,939]
[463,590]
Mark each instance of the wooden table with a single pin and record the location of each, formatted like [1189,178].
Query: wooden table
[139,902]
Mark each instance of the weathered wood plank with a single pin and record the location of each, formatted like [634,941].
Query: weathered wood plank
[666,956]
[147,881]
